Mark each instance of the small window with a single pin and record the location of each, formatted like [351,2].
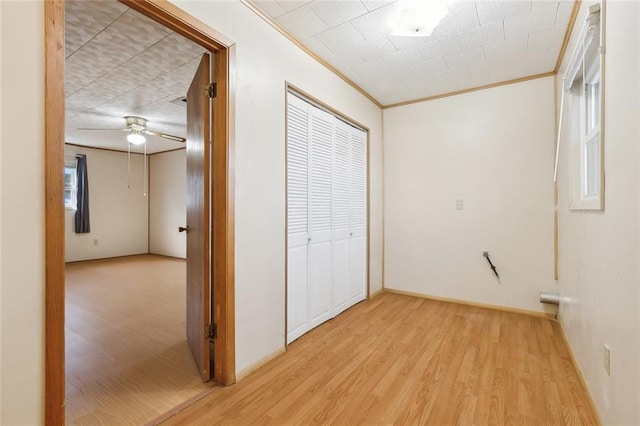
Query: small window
[591,137]
[584,90]
[70,186]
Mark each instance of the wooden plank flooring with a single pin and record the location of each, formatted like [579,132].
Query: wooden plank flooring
[402,360]
[127,360]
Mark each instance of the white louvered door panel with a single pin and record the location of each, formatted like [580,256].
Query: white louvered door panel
[297,217]
[341,197]
[320,221]
[358,217]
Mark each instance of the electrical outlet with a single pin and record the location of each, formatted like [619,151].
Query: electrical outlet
[607,359]
[459,204]
[95,241]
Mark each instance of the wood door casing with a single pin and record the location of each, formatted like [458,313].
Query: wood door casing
[198,216]
[174,18]
[223,239]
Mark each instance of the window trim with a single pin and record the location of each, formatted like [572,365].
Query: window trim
[73,205]
[579,199]
[588,135]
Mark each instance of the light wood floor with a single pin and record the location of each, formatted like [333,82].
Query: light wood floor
[127,360]
[402,360]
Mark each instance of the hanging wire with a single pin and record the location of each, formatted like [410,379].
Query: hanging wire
[128,165]
[145,170]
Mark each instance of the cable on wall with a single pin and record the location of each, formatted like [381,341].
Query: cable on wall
[491,265]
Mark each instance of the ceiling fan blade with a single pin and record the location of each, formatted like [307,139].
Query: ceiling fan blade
[92,128]
[164,135]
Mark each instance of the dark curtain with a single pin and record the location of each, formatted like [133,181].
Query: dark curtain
[82,197]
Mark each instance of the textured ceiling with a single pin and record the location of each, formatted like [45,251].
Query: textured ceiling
[120,63]
[476,44]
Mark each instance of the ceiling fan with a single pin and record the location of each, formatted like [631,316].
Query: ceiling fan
[137,127]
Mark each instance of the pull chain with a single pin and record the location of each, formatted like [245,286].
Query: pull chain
[145,170]
[128,165]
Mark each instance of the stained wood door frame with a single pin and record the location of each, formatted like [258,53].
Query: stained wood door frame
[222,188]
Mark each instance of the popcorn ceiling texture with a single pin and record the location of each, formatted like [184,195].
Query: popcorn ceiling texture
[120,63]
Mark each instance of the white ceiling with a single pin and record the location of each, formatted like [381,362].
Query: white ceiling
[120,63]
[478,43]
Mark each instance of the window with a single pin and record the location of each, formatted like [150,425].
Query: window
[583,89]
[591,139]
[70,185]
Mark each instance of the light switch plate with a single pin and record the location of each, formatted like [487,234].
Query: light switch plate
[607,359]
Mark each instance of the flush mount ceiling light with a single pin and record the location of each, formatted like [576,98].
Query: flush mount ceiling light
[135,138]
[418,18]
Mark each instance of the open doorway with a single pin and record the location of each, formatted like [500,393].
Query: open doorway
[216,137]
[127,302]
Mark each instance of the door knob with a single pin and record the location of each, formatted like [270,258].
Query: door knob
[183,229]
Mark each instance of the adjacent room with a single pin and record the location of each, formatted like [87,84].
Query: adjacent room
[127,357]
[403,212]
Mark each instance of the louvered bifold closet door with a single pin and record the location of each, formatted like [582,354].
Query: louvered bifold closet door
[297,213]
[358,217]
[320,182]
[341,215]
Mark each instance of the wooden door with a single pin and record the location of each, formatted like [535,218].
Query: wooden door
[198,216]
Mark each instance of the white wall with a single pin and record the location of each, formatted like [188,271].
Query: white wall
[599,278]
[493,149]
[168,203]
[0,224]
[22,223]
[117,205]
[264,61]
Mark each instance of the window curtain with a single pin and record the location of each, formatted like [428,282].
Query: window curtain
[82,210]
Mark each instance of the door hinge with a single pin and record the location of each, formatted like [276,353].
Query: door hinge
[212,331]
[212,90]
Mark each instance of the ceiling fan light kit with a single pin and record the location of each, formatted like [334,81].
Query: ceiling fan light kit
[135,138]
[137,128]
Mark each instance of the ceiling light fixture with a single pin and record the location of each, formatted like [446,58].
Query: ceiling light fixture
[135,138]
[418,18]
